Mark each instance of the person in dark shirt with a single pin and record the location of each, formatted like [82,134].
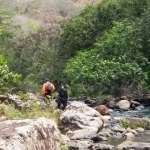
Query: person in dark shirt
[62,97]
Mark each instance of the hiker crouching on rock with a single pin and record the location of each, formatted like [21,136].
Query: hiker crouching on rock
[62,97]
[47,88]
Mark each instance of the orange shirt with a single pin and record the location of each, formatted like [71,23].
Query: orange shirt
[44,88]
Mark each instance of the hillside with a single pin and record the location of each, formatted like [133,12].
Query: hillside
[44,12]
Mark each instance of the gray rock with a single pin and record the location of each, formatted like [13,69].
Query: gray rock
[124,104]
[29,134]
[81,120]
[133,145]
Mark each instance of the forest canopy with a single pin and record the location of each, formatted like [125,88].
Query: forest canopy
[103,47]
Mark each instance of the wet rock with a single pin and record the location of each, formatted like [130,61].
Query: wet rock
[111,104]
[82,134]
[135,103]
[117,135]
[117,128]
[106,118]
[139,107]
[129,135]
[139,130]
[105,133]
[93,137]
[79,144]
[102,109]
[102,138]
[133,145]
[100,146]
[91,103]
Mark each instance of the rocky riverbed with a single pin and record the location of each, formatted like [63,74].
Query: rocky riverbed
[109,134]
[83,125]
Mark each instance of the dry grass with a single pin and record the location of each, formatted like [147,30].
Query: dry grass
[45,11]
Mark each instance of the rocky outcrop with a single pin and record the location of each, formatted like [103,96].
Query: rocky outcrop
[15,99]
[29,134]
[80,121]
[88,145]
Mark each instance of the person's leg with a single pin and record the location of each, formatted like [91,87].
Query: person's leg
[59,103]
[49,97]
[46,99]
[64,104]
[49,92]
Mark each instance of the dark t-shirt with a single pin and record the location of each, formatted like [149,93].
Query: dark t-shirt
[63,93]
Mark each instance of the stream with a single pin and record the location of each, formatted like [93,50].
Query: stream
[117,115]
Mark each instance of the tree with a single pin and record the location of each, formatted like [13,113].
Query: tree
[115,59]
[43,46]
[7,78]
[80,32]
[5,26]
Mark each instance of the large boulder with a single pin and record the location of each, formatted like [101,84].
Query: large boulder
[102,109]
[124,104]
[78,121]
[29,134]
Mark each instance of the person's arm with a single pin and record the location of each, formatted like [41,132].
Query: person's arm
[52,87]
[66,94]
[58,92]
[44,89]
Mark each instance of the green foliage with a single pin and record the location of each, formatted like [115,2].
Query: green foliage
[33,25]
[2,111]
[113,37]
[78,32]
[78,90]
[118,55]
[64,148]
[126,125]
[5,27]
[45,63]
[33,112]
[23,97]
[81,31]
[135,124]
[7,78]
[117,59]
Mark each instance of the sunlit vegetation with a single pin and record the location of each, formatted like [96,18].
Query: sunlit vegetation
[93,50]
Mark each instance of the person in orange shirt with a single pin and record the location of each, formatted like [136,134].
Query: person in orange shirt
[47,88]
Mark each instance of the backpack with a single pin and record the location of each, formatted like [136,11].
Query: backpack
[49,86]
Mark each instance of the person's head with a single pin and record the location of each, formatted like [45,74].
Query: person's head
[46,80]
[62,86]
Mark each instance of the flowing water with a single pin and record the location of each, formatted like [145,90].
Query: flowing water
[143,137]
[145,113]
